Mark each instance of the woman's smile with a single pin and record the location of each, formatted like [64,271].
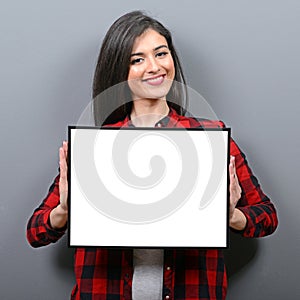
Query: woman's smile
[155,80]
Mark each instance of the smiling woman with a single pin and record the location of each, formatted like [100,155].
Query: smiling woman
[135,44]
[139,62]
[151,60]
[150,78]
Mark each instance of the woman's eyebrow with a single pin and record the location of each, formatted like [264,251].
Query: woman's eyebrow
[155,49]
[159,47]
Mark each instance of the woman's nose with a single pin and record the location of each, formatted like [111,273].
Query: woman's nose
[153,65]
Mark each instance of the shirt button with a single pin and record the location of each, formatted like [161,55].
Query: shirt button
[167,297]
[168,268]
[158,124]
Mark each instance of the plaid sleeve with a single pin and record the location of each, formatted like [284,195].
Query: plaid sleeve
[39,231]
[256,206]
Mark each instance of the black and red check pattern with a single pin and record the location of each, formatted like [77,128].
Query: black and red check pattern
[189,274]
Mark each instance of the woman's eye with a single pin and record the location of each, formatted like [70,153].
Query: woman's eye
[136,61]
[161,54]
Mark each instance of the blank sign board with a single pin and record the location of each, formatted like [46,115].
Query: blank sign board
[147,187]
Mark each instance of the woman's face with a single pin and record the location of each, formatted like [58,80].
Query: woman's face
[151,70]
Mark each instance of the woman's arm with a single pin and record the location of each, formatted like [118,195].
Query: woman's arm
[253,205]
[49,221]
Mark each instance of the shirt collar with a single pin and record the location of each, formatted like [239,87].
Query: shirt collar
[170,120]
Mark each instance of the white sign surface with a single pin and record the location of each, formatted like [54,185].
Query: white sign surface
[148,187]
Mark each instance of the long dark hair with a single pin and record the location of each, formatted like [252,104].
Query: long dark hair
[114,104]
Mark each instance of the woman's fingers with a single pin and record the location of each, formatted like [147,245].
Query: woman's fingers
[65,148]
[234,188]
[63,180]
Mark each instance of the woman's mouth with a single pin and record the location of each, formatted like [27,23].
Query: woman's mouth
[155,80]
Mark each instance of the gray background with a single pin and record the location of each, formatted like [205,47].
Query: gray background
[242,56]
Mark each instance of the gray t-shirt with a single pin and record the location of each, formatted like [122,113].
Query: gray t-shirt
[147,281]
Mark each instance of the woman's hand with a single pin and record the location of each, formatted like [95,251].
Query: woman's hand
[59,215]
[237,219]
[63,179]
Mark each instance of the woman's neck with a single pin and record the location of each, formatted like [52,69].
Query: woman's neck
[146,113]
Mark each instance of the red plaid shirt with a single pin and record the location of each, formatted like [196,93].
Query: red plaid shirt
[188,274]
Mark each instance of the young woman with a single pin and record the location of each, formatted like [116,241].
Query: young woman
[138,49]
